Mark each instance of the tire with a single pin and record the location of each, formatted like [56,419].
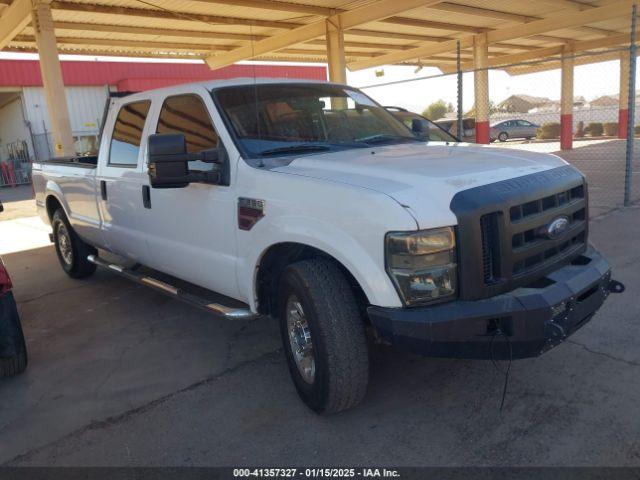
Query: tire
[339,344]
[12,339]
[71,250]
[503,137]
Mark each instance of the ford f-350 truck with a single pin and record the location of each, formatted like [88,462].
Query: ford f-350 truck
[308,201]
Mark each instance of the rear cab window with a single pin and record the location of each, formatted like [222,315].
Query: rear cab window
[126,137]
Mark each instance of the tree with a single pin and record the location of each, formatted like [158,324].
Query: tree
[437,110]
[492,109]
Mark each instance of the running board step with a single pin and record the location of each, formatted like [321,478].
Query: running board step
[233,313]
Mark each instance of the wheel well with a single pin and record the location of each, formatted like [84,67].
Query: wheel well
[274,262]
[52,204]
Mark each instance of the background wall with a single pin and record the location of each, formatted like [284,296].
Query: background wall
[12,126]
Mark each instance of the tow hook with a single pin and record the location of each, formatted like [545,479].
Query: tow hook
[615,286]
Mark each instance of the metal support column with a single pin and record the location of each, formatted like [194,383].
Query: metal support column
[335,53]
[631,108]
[459,106]
[566,99]
[52,79]
[623,109]
[481,79]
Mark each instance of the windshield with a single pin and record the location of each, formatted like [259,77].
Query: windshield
[294,119]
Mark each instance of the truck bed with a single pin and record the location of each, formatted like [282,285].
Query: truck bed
[87,161]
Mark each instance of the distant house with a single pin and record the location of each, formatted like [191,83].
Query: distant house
[521,103]
[579,101]
[553,106]
[610,100]
[605,101]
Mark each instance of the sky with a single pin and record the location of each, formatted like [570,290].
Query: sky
[590,81]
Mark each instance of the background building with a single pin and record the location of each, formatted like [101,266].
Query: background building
[25,129]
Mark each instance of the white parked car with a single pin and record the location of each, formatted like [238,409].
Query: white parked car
[308,201]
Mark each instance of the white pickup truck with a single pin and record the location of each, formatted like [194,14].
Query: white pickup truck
[310,202]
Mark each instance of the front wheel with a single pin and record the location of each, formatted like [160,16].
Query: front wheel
[503,136]
[323,335]
[71,250]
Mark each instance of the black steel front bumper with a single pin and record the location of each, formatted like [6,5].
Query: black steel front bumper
[522,323]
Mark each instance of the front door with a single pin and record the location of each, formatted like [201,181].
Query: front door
[191,231]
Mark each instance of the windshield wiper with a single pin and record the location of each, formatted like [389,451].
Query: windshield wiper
[300,148]
[385,137]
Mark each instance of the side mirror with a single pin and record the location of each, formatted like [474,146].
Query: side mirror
[417,127]
[169,162]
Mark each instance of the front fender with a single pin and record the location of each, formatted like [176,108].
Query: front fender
[367,269]
[347,222]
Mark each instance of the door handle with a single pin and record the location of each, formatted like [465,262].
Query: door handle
[103,190]
[146,196]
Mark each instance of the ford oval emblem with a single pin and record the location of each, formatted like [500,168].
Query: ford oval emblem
[556,228]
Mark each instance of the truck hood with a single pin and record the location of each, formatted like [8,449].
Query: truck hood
[422,177]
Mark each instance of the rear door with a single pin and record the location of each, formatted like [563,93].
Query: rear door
[120,178]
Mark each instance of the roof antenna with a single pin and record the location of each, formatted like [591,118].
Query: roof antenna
[255,89]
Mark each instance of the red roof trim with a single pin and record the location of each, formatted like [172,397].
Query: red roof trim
[132,76]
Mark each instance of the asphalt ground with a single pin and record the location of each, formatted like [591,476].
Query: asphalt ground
[121,375]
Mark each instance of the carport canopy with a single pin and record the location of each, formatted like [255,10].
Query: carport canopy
[350,35]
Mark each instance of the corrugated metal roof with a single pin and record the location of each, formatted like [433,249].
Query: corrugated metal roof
[198,28]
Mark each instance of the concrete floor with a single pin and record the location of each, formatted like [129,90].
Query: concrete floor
[18,202]
[122,375]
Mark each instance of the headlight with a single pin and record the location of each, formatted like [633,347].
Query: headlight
[422,264]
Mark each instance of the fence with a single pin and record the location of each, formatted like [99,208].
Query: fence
[597,148]
[15,165]
[16,169]
[525,114]
[85,142]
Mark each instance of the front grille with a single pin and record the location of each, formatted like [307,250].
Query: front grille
[490,248]
[503,230]
[530,263]
[529,248]
[535,207]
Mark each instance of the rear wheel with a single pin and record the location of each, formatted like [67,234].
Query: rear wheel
[503,136]
[13,350]
[72,251]
[323,335]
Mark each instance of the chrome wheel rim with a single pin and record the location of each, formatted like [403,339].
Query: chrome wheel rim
[300,339]
[64,245]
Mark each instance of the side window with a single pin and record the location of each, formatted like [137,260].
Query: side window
[127,134]
[188,115]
